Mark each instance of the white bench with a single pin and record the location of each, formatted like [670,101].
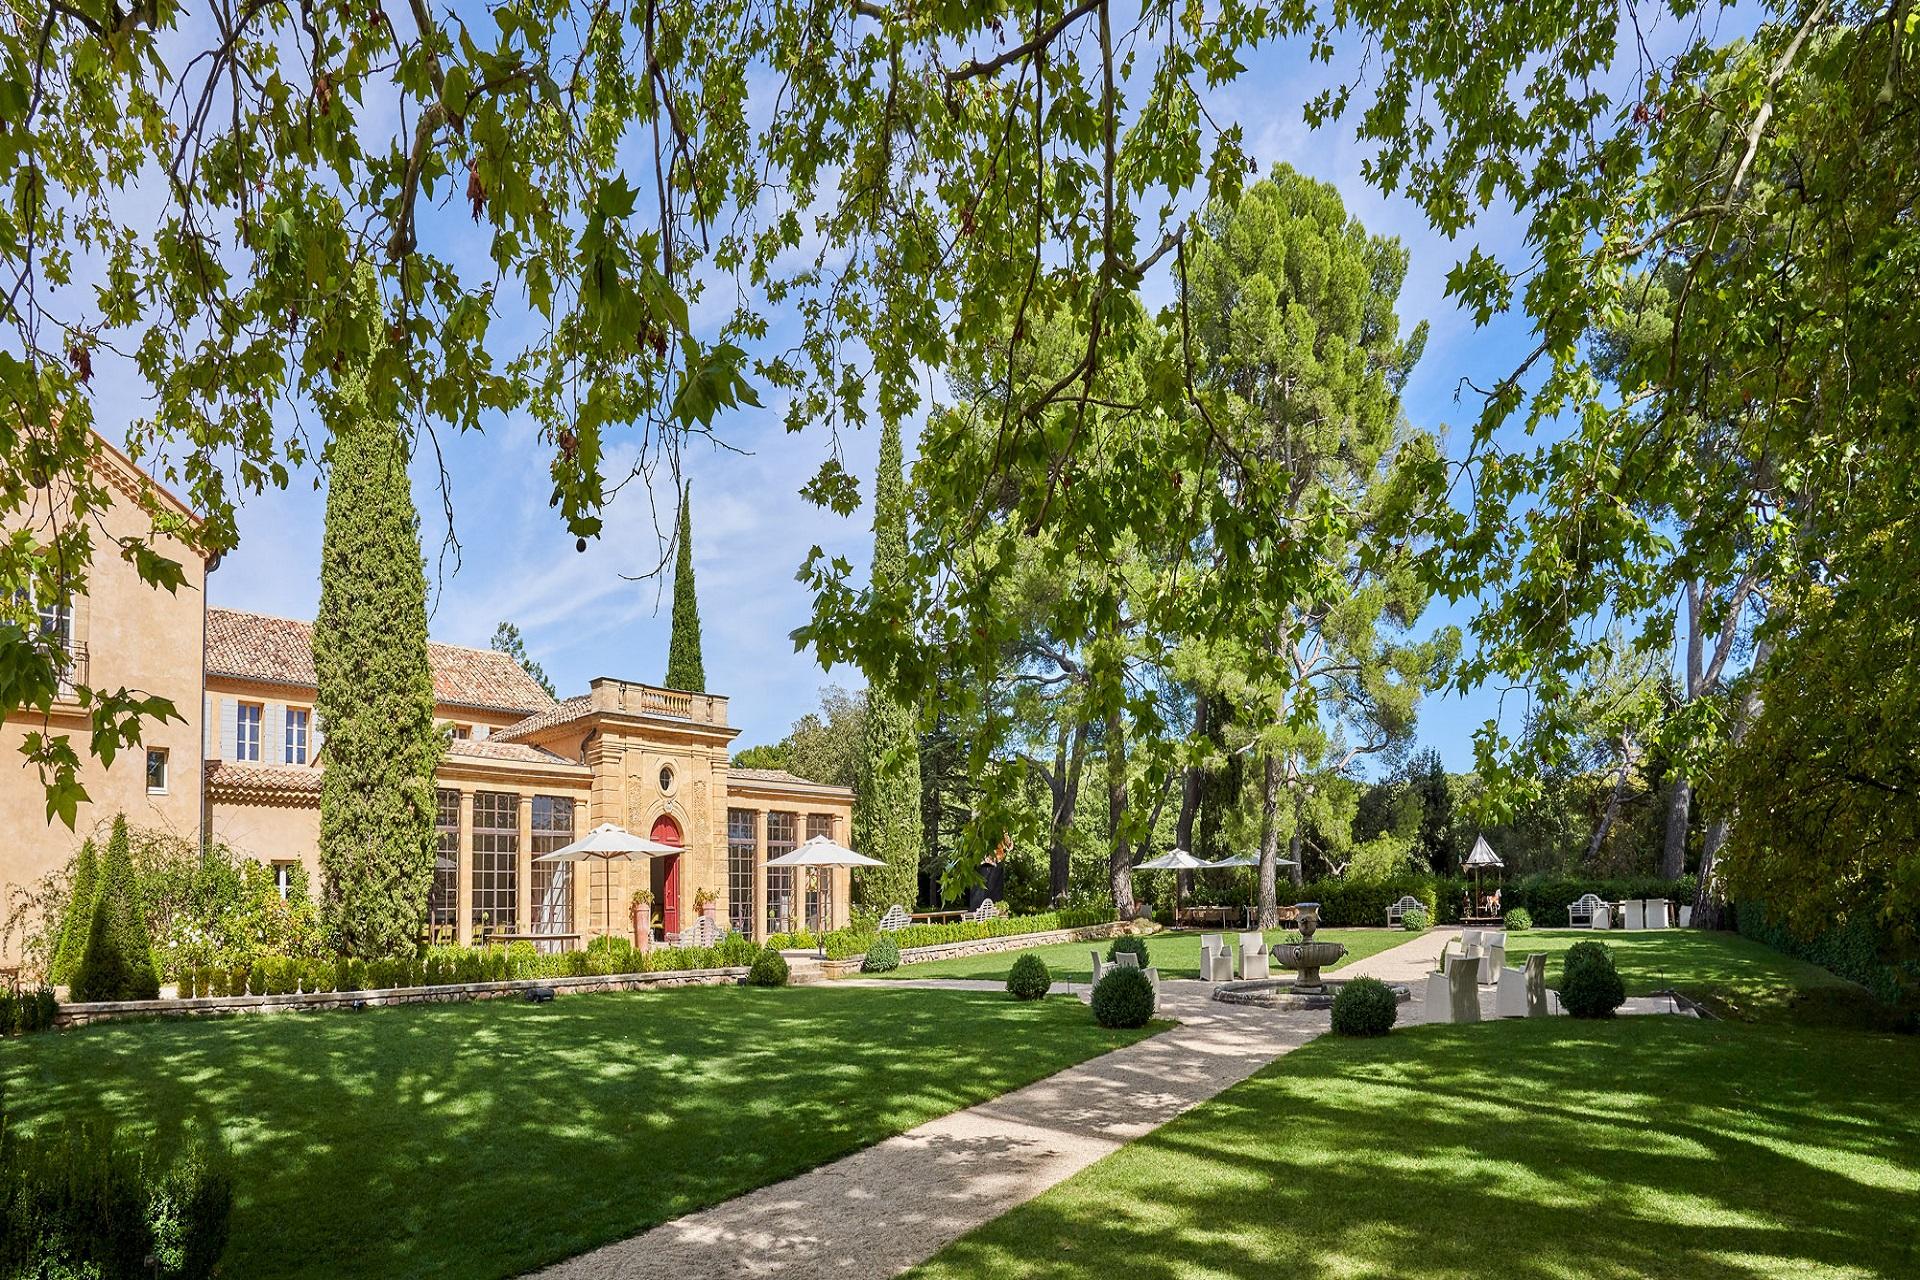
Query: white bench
[1397,912]
[895,918]
[985,911]
[1580,914]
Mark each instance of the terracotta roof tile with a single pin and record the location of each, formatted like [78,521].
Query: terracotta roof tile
[562,712]
[777,775]
[253,646]
[229,781]
[518,752]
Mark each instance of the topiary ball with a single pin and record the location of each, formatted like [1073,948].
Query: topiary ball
[1123,998]
[1416,920]
[1029,979]
[1138,946]
[1365,1007]
[883,956]
[1590,987]
[1519,920]
[769,970]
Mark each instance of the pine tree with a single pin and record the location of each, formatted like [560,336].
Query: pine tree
[685,670]
[506,639]
[72,940]
[886,812]
[375,689]
[117,962]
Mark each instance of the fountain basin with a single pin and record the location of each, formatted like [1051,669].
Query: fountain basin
[1283,993]
[1307,955]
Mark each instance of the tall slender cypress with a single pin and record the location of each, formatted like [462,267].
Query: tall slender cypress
[375,688]
[886,811]
[685,670]
[117,962]
[72,939]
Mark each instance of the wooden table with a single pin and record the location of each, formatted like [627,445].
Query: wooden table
[936,917]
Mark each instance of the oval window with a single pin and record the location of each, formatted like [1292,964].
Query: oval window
[666,777]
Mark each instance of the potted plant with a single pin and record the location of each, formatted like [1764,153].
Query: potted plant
[640,910]
[707,903]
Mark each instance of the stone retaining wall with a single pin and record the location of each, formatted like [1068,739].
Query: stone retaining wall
[75,1015]
[985,946]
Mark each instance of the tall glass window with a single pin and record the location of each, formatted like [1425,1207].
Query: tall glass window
[296,738]
[443,903]
[496,860]
[246,731]
[741,846]
[819,879]
[782,837]
[552,881]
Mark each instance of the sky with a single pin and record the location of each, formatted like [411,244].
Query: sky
[584,614]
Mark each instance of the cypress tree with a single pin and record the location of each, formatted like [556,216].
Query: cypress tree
[117,962]
[375,688]
[886,811]
[685,670]
[72,939]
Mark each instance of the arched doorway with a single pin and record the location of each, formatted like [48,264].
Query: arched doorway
[665,871]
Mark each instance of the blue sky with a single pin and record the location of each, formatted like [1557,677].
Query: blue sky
[581,614]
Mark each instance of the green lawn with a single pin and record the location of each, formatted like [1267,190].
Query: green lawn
[1733,976]
[1176,955]
[1546,1149]
[484,1139]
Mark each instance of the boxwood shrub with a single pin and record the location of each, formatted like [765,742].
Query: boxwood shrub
[883,956]
[1416,920]
[1123,998]
[769,970]
[1590,986]
[1029,979]
[1364,1007]
[1128,943]
[1519,920]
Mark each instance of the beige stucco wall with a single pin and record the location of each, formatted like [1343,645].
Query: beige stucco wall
[137,637]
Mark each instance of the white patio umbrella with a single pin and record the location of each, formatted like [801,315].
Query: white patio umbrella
[1248,860]
[608,843]
[1175,860]
[823,852]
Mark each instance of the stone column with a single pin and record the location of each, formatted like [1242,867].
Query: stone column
[463,878]
[523,879]
[759,875]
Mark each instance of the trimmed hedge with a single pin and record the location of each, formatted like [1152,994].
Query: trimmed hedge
[1853,951]
[769,970]
[1029,979]
[1348,904]
[1130,944]
[844,944]
[82,1203]
[27,1012]
[883,956]
[1123,998]
[1364,1007]
[1590,986]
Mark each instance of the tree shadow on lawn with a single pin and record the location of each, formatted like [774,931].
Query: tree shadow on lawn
[1732,975]
[484,1139]
[1642,1147]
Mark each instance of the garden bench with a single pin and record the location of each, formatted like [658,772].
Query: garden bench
[985,911]
[1397,912]
[895,918]
[1580,914]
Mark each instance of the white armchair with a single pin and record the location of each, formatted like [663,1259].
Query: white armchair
[1523,992]
[1633,913]
[1659,913]
[1100,968]
[1602,916]
[1493,956]
[1255,960]
[1216,958]
[1454,996]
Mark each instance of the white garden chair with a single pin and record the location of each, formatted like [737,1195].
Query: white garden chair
[1216,958]
[1659,913]
[1493,955]
[1523,992]
[1686,916]
[1255,960]
[1454,996]
[1633,913]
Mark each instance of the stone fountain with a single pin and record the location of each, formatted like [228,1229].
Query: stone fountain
[1306,957]
[1307,989]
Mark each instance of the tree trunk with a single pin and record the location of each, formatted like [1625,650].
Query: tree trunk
[1296,873]
[1189,802]
[1119,856]
[1673,859]
[1068,760]
[1269,841]
[1613,800]
[1709,911]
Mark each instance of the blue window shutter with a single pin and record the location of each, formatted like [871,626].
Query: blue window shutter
[229,729]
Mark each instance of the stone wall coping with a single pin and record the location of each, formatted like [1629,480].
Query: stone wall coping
[210,1006]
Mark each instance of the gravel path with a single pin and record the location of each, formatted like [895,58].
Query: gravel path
[879,1211]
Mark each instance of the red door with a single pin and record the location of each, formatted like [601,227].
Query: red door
[666,874]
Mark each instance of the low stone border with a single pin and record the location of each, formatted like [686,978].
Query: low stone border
[76,1015]
[1279,993]
[850,966]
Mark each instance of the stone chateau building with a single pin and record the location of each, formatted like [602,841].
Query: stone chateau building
[523,774]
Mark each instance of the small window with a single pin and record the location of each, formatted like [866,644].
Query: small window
[297,718]
[462,732]
[666,778]
[246,732]
[156,771]
[283,879]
